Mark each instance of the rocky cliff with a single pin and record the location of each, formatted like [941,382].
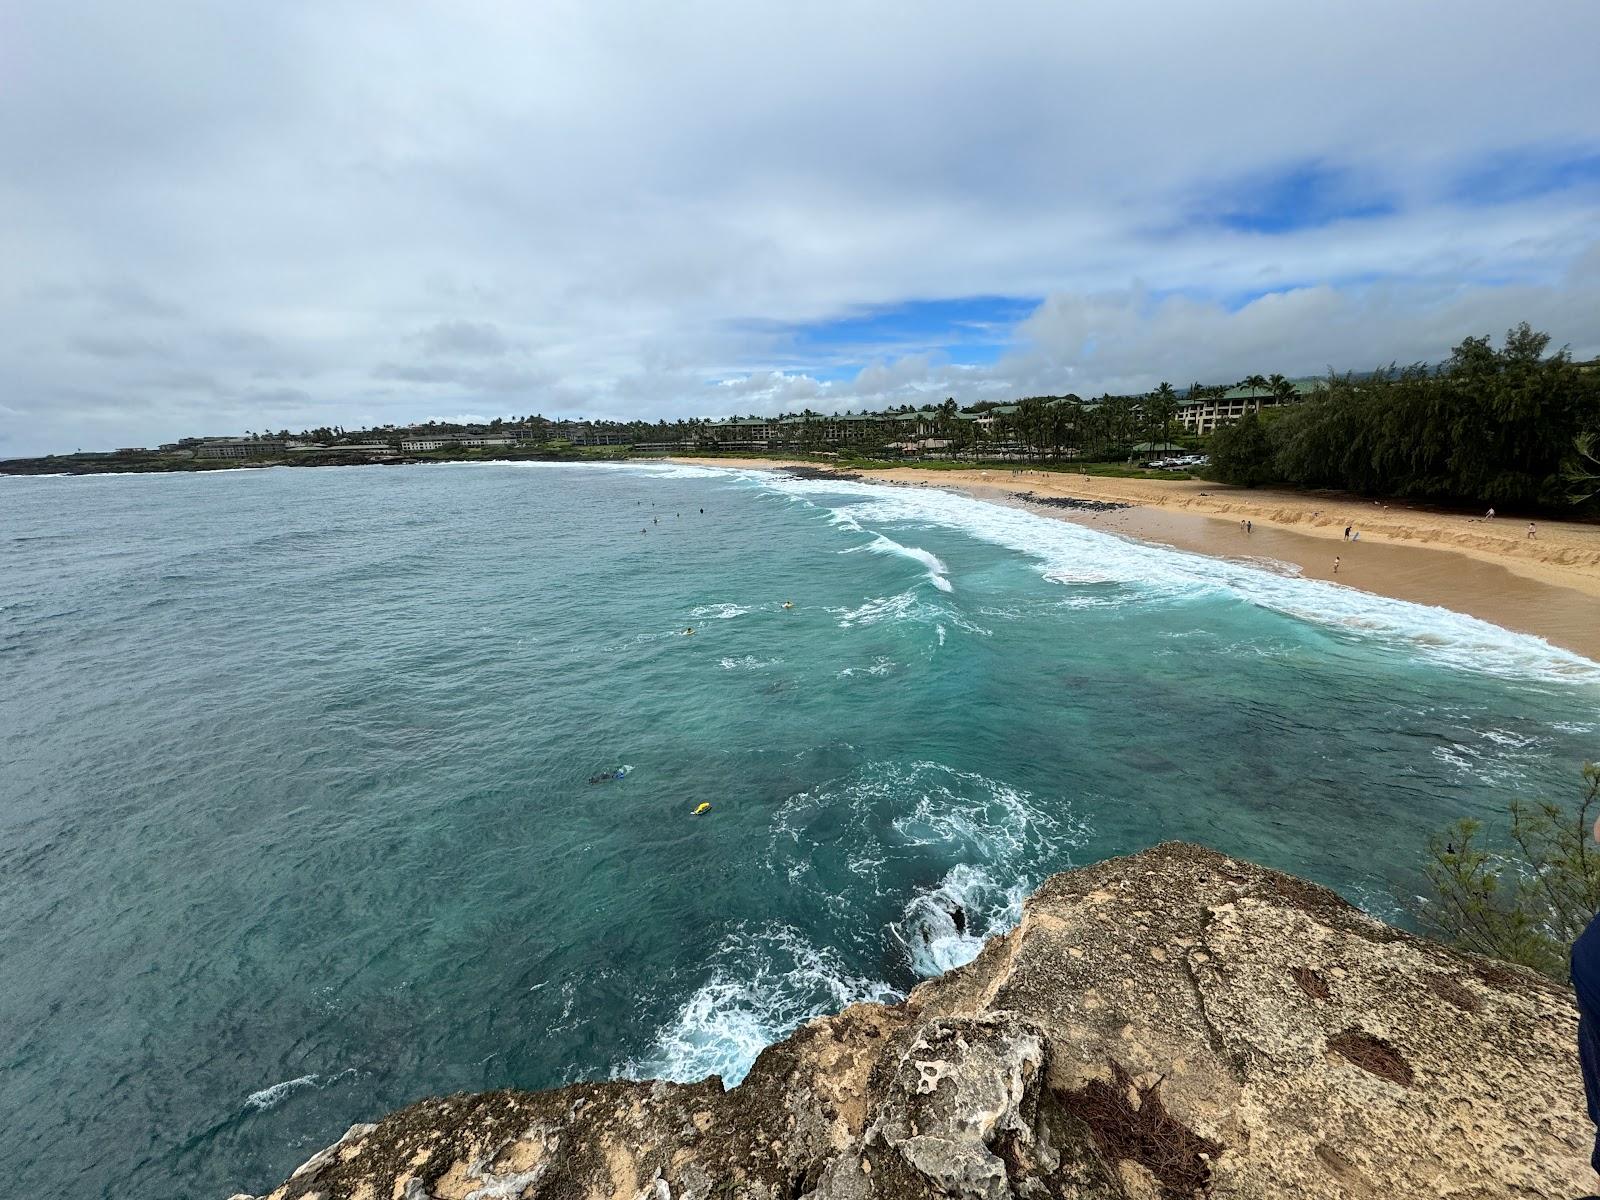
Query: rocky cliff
[1172,1024]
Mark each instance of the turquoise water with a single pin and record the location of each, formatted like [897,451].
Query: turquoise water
[295,815]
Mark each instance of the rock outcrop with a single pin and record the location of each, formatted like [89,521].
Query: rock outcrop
[1172,1024]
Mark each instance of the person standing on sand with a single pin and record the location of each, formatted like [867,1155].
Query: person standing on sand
[1531,533]
[1489,516]
[1347,533]
[1585,973]
[1249,526]
[1335,564]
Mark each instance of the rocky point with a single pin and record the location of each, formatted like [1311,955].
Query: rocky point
[1172,1024]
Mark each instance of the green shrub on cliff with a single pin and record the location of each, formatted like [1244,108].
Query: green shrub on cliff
[1527,899]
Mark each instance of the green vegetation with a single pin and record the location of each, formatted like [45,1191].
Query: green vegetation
[1241,453]
[1499,427]
[1509,426]
[1526,899]
[1109,470]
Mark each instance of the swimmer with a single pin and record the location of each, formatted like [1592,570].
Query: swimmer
[687,632]
[788,603]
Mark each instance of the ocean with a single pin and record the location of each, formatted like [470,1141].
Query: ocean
[325,790]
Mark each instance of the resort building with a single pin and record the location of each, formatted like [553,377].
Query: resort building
[370,449]
[1204,413]
[447,441]
[600,437]
[239,448]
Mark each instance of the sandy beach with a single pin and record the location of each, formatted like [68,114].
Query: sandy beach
[1548,585]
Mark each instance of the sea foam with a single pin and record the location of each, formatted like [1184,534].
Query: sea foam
[271,1097]
[763,984]
[1075,555]
[935,940]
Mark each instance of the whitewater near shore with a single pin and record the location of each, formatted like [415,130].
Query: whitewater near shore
[1548,585]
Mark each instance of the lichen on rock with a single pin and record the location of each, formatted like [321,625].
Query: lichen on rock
[1171,1024]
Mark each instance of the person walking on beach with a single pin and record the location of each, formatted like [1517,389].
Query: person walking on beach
[1249,526]
[1585,973]
[1347,533]
[1489,516]
[1531,533]
[1335,564]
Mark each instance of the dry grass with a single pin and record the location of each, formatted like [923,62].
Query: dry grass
[1373,1055]
[1131,1123]
[1311,983]
[1450,991]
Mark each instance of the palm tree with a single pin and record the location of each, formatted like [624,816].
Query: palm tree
[1159,407]
[1254,382]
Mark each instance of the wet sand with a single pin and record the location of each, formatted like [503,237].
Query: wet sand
[1548,587]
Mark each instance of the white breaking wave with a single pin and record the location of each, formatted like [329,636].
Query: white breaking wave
[763,986]
[1504,737]
[271,1097]
[1495,769]
[906,606]
[881,665]
[938,573]
[880,608]
[721,612]
[748,663]
[946,926]
[1075,555]
[679,471]
[975,815]
[842,519]
[659,470]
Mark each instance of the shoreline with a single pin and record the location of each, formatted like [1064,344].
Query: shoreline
[1548,587]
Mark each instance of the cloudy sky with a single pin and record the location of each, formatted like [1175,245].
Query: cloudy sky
[219,217]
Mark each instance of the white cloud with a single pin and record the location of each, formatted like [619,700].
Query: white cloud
[596,208]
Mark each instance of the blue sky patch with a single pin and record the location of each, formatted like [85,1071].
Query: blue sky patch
[1524,174]
[967,330]
[1299,196]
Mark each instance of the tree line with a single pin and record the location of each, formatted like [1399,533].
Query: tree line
[1498,426]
